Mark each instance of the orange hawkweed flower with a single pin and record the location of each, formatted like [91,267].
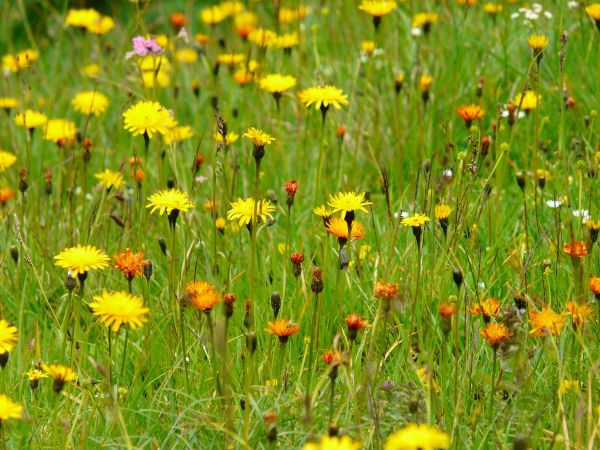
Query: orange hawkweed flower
[446,311]
[495,334]
[385,290]
[579,313]
[339,228]
[5,195]
[575,249]
[469,113]
[486,309]
[595,286]
[355,323]
[546,322]
[333,359]
[131,264]
[283,329]
[202,296]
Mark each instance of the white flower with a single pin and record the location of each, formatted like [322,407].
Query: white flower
[572,5]
[514,15]
[416,32]
[583,213]
[548,15]
[554,203]
[447,173]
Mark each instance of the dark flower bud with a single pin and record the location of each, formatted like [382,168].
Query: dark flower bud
[251,342]
[521,180]
[163,245]
[70,283]
[457,276]
[317,281]
[520,441]
[14,253]
[148,269]
[275,303]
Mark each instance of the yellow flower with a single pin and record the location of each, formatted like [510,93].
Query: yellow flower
[212,15]
[186,56]
[546,322]
[8,337]
[244,211]
[9,409]
[323,97]
[492,8]
[230,137]
[109,179]
[378,8]
[424,20]
[202,296]
[567,386]
[6,160]
[442,211]
[170,200]
[101,25]
[289,15]
[35,375]
[178,134]
[82,18]
[276,83]
[8,103]
[81,259]
[348,202]
[31,119]
[593,11]
[148,118]
[263,37]
[579,313]
[160,78]
[243,76]
[537,42]
[20,61]
[90,102]
[120,308]
[91,70]
[230,59]
[527,101]
[258,137]
[151,63]
[60,374]
[245,23]
[416,220]
[333,443]
[425,83]
[339,228]
[287,41]
[495,334]
[427,380]
[60,130]
[322,211]
[368,46]
[418,437]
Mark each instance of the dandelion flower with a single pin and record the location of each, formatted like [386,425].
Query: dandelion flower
[527,101]
[263,37]
[120,308]
[333,443]
[90,102]
[170,201]
[339,228]
[323,97]
[34,376]
[593,12]
[60,374]
[230,59]
[283,329]
[495,334]
[81,259]
[492,8]
[348,202]
[244,211]
[178,134]
[8,337]
[377,9]
[212,15]
[258,137]
[287,41]
[109,179]
[416,220]
[277,84]
[31,119]
[60,130]
[245,23]
[229,139]
[8,103]
[9,409]
[546,322]
[6,160]
[418,437]
[424,21]
[130,264]
[148,118]
[81,18]
[202,296]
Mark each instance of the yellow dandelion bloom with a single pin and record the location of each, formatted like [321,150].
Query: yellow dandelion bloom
[178,134]
[91,70]
[9,409]
[348,202]
[527,101]
[35,375]
[101,25]
[230,137]
[287,41]
[378,8]
[424,20]
[263,37]
[339,228]
[567,386]
[110,179]
[6,160]
[7,103]
[148,118]
[593,11]
[20,61]
[160,79]
[243,210]
[322,211]
[186,56]
[276,83]
[60,130]
[231,59]
[82,18]
[492,8]
[8,337]
[418,437]
[323,97]
[120,308]
[31,119]
[425,83]
[212,15]
[243,76]
[90,102]
[169,200]
[258,137]
[60,374]
[416,220]
[333,443]
[81,259]
[442,211]
[538,42]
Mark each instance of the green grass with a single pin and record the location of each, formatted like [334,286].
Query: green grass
[149,404]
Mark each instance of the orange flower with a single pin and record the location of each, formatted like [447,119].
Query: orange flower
[385,290]
[595,286]
[486,309]
[339,228]
[355,322]
[579,313]
[495,334]
[575,249]
[202,296]
[5,195]
[469,113]
[178,20]
[546,322]
[131,264]
[333,359]
[283,329]
[446,311]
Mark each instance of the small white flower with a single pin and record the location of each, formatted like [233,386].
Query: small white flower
[531,15]
[548,15]
[482,285]
[416,32]
[447,173]
[514,15]
[537,7]
[201,179]
[583,213]
[572,4]
[554,203]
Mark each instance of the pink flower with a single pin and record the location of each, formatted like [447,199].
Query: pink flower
[144,47]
